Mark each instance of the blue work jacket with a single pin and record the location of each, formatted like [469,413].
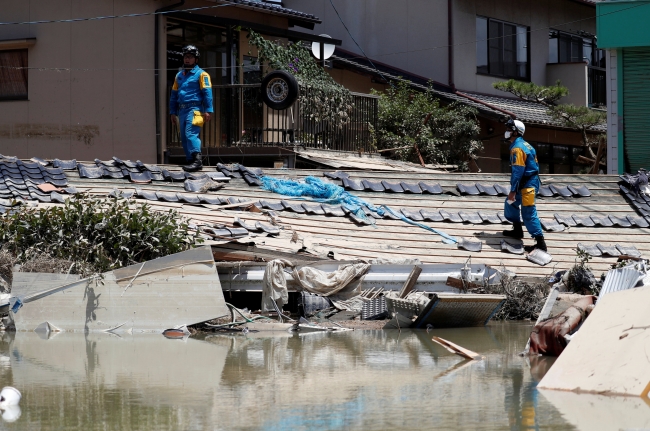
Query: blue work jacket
[191,87]
[525,168]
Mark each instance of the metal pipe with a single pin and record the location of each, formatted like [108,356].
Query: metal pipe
[156,17]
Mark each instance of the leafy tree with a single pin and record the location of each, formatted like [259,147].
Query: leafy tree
[580,118]
[450,136]
[323,98]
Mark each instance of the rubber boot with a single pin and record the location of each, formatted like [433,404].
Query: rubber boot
[196,164]
[517,231]
[539,243]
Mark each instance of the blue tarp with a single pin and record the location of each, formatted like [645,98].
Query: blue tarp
[320,191]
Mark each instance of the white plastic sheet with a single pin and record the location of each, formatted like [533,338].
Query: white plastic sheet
[274,284]
[344,283]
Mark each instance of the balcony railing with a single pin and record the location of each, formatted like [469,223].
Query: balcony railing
[242,119]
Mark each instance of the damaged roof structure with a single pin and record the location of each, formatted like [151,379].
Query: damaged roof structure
[577,211]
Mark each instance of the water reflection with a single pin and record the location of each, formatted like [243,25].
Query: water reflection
[358,380]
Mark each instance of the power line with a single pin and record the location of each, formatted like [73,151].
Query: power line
[99,18]
[67,69]
[75,69]
[355,42]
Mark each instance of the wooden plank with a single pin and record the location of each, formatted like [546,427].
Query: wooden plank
[410,281]
[455,348]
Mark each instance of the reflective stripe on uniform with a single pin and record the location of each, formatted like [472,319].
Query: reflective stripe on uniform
[528,197]
[205,81]
[517,157]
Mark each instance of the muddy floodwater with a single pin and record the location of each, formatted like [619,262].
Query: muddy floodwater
[358,380]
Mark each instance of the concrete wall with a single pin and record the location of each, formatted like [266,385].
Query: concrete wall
[87,98]
[539,15]
[574,77]
[96,105]
[413,34]
[407,34]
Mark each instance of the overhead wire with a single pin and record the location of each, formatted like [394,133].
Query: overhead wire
[129,15]
[64,69]
[357,44]
[496,37]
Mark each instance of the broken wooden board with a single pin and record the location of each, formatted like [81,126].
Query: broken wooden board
[608,355]
[455,348]
[180,289]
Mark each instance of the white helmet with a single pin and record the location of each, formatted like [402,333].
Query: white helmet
[520,127]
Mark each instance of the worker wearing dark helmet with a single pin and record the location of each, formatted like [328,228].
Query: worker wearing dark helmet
[524,185]
[190,105]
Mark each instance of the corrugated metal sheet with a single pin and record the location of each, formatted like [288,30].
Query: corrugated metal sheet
[636,106]
[457,311]
[620,279]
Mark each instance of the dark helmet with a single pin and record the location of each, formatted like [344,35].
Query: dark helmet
[191,49]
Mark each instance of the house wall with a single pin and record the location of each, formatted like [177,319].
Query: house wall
[407,34]
[413,34]
[92,83]
[355,82]
[573,76]
[96,104]
[539,15]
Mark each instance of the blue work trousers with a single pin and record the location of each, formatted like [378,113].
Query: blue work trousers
[189,133]
[524,208]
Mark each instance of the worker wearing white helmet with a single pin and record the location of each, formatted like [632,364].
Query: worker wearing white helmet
[524,185]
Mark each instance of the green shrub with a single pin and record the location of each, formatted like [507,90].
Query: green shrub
[96,234]
[450,136]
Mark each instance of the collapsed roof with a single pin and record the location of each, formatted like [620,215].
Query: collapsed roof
[585,211]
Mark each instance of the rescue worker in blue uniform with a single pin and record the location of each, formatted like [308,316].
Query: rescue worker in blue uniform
[190,105]
[524,185]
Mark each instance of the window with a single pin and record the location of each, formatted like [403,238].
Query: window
[552,158]
[13,74]
[576,48]
[252,70]
[501,49]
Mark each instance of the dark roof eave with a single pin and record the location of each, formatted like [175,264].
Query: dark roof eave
[295,17]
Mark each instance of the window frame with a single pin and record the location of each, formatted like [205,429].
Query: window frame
[550,157]
[25,73]
[594,70]
[502,48]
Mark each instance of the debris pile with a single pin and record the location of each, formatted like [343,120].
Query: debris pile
[524,299]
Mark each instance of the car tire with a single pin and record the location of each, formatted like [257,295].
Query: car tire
[279,89]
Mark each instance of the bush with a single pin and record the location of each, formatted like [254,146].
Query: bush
[450,136]
[95,234]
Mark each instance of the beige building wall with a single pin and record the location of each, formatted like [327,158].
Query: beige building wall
[86,98]
[407,34]
[573,76]
[413,34]
[538,15]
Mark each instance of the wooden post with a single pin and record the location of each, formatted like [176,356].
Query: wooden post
[599,155]
[410,281]
[415,145]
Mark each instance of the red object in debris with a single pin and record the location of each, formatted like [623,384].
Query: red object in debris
[47,188]
[547,337]
[174,333]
